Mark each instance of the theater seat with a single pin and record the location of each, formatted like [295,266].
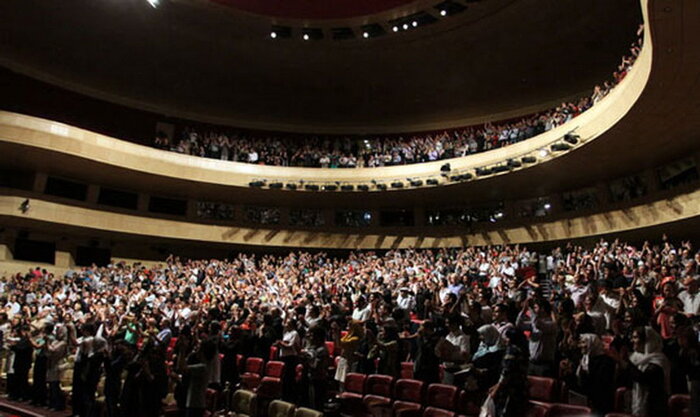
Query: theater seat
[568,410]
[269,388]
[618,415]
[620,400]
[468,403]
[408,396]
[354,386]
[211,397]
[441,396]
[245,403]
[274,369]
[299,373]
[537,410]
[542,389]
[307,412]
[679,405]
[253,373]
[378,392]
[280,408]
[407,370]
[437,412]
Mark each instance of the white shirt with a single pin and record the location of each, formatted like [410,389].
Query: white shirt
[407,303]
[691,302]
[291,337]
[460,340]
[362,315]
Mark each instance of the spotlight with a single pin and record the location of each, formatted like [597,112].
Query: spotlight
[273,35]
[363,187]
[395,28]
[414,23]
[529,159]
[543,153]
[365,35]
[153,3]
[306,36]
[405,26]
[547,206]
[443,12]
[558,147]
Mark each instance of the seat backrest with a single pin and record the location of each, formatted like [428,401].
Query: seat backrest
[407,370]
[441,396]
[270,388]
[274,350]
[679,405]
[379,385]
[409,390]
[355,383]
[245,403]
[274,369]
[537,410]
[254,365]
[299,373]
[331,348]
[568,410]
[468,404]
[307,412]
[279,408]
[541,388]
[437,412]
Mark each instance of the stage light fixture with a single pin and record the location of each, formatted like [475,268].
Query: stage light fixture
[405,26]
[365,35]
[547,206]
[543,153]
[395,28]
[306,36]
[414,23]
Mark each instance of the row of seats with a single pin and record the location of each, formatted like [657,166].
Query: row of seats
[246,403]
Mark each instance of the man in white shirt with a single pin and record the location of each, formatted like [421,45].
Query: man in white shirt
[453,349]
[405,300]
[362,311]
[690,297]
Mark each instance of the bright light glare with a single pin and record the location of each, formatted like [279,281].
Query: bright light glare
[365,35]
[443,12]
[153,3]
[395,28]
[306,36]
[414,23]
[405,26]
[273,35]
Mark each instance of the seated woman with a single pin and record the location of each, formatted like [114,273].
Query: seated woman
[596,374]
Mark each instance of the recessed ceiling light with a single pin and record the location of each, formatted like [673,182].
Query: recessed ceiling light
[306,36]
[443,12]
[543,153]
[395,28]
[405,26]
[414,23]
[365,35]
[273,35]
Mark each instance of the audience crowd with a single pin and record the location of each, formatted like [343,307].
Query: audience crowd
[350,152]
[481,318]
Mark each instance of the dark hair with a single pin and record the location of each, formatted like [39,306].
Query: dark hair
[517,338]
[544,305]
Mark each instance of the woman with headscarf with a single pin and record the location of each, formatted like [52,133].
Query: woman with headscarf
[348,345]
[489,355]
[596,374]
[510,392]
[650,372]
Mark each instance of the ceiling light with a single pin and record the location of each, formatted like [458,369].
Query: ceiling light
[405,26]
[153,3]
[365,35]
[306,36]
[443,12]
[273,35]
[543,153]
[414,23]
[547,206]
[395,28]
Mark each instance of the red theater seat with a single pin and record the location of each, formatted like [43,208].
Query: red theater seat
[253,373]
[437,412]
[407,370]
[568,410]
[269,388]
[537,410]
[679,405]
[408,396]
[274,369]
[542,389]
[441,396]
[378,389]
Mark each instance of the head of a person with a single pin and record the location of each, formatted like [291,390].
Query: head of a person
[542,307]
[454,323]
[500,312]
